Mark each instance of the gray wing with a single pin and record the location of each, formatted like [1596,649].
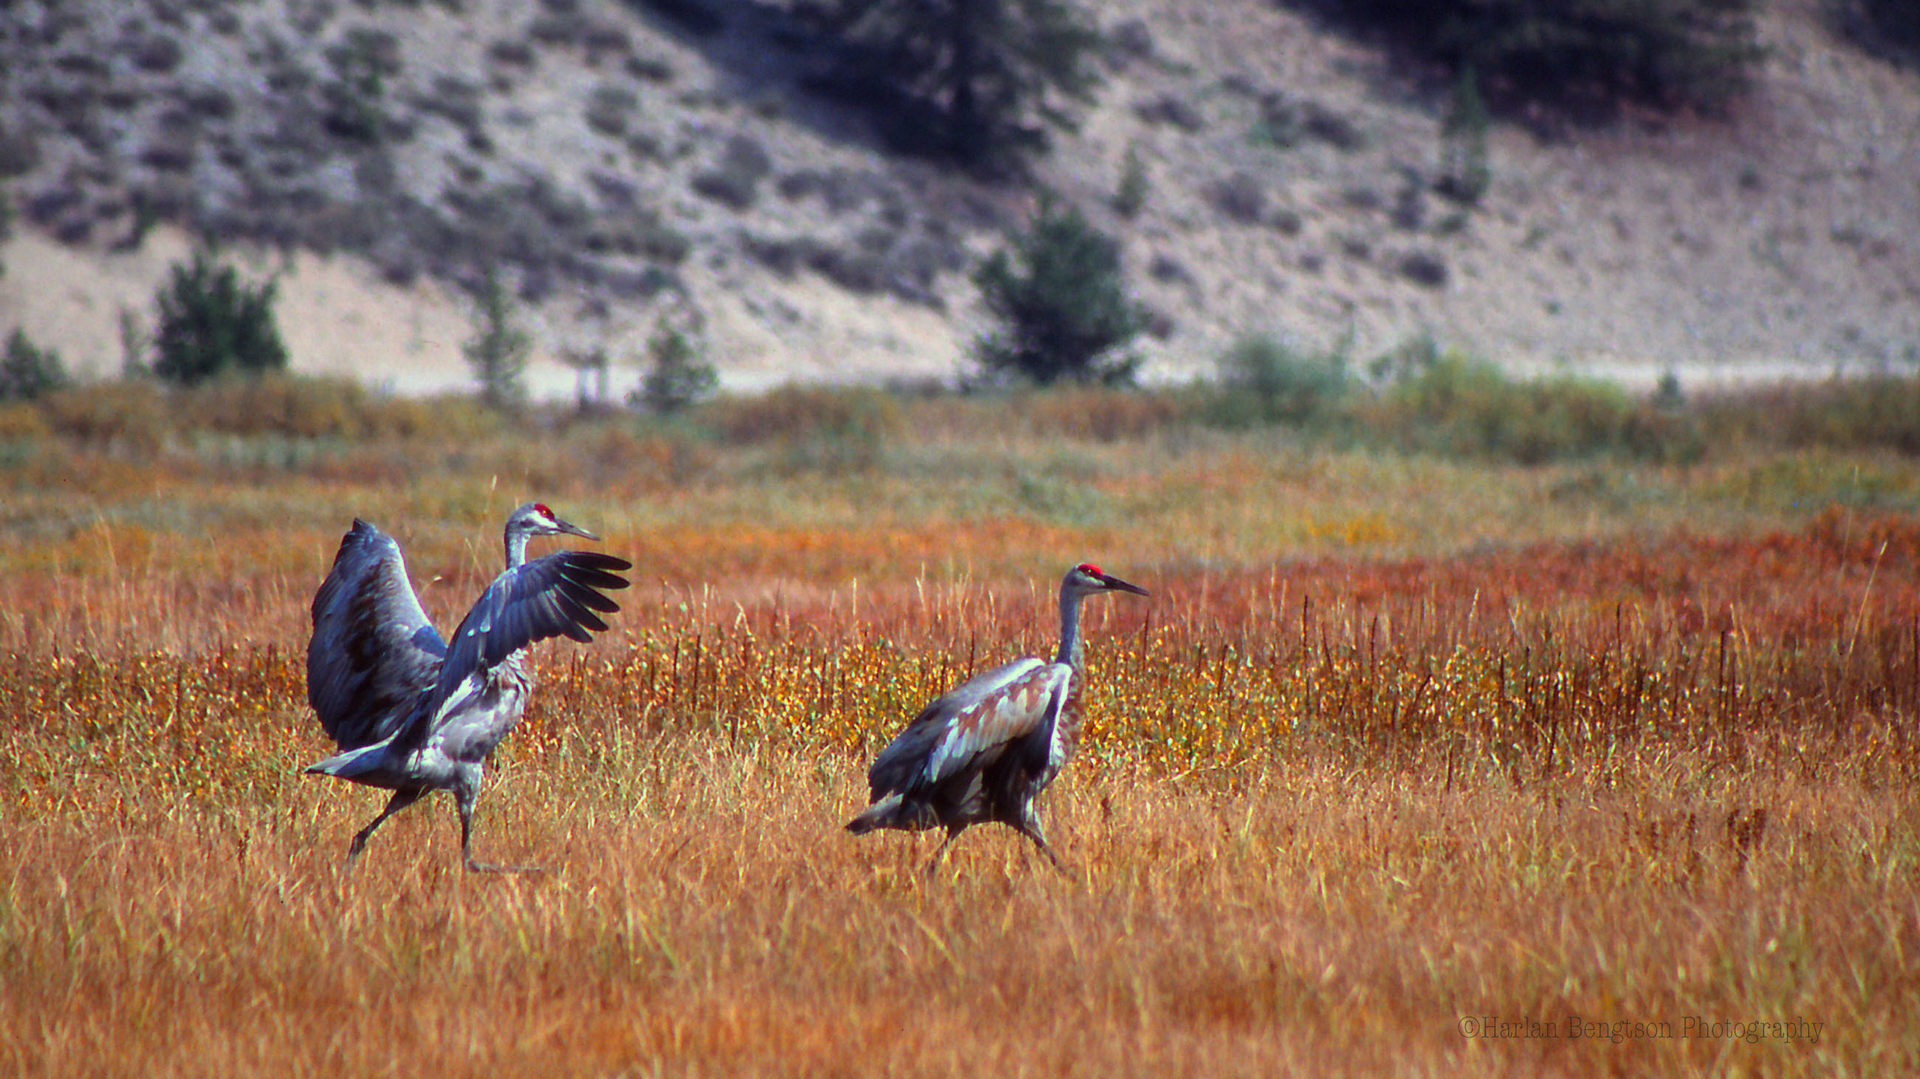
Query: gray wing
[548,597]
[374,654]
[980,717]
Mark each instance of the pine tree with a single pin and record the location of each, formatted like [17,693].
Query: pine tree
[1464,172]
[677,377]
[976,73]
[28,371]
[1060,294]
[498,349]
[211,322]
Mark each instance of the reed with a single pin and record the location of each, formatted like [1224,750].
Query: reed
[1358,781]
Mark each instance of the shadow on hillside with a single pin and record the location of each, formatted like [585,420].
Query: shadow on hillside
[1555,72]
[785,56]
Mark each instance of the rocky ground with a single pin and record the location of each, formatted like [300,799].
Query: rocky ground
[620,162]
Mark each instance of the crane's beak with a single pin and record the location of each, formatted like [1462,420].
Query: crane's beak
[572,529]
[1115,584]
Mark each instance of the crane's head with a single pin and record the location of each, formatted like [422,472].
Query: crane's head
[535,519]
[1086,578]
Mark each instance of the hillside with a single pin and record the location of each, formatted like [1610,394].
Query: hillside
[624,161]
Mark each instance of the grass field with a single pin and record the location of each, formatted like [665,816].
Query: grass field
[1404,754]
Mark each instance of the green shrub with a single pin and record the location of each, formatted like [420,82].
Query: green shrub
[1100,413]
[1264,381]
[678,376]
[211,322]
[1059,293]
[1877,413]
[282,404]
[1457,406]
[1131,196]
[816,428]
[28,371]
[132,415]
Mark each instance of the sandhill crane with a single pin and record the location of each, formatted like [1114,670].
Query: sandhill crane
[413,713]
[984,751]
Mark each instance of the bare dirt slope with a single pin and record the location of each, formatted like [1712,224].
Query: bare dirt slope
[620,165]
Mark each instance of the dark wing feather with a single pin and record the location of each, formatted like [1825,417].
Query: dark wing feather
[547,597]
[373,654]
[979,718]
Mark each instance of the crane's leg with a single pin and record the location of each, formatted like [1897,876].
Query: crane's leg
[401,799]
[464,796]
[1029,825]
[939,852]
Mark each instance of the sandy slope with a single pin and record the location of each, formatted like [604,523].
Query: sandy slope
[1785,243]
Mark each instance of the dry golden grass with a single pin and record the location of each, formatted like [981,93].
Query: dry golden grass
[1335,808]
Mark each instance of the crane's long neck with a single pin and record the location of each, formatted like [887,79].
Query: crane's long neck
[516,547]
[1071,653]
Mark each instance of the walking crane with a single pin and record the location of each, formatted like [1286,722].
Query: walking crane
[984,751]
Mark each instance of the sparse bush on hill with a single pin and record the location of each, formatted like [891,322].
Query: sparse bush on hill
[610,107]
[1592,54]
[1059,293]
[1240,197]
[19,150]
[355,98]
[211,322]
[28,371]
[974,79]
[498,349]
[1464,172]
[734,180]
[678,376]
[1130,197]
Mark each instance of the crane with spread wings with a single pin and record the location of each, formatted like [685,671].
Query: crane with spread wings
[413,712]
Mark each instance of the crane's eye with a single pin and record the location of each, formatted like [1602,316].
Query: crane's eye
[541,509]
[1089,569]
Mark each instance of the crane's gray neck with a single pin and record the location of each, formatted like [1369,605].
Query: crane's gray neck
[1070,651]
[516,547]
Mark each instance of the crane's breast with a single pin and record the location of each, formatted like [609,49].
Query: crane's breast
[484,710]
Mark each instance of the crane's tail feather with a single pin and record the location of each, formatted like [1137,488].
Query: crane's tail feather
[889,812]
[896,810]
[372,765]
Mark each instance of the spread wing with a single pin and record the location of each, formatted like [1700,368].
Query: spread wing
[981,717]
[373,654]
[547,597]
